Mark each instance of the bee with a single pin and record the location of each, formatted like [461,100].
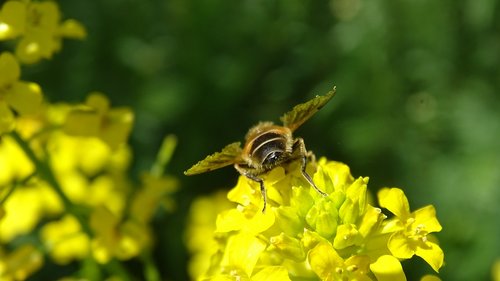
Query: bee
[267,146]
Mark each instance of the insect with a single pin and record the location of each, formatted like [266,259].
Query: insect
[267,146]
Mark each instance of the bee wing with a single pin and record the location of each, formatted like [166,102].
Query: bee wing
[227,156]
[301,112]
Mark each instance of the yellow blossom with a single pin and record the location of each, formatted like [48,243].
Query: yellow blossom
[410,230]
[15,95]
[14,165]
[116,239]
[39,28]
[330,266]
[308,236]
[20,263]
[153,192]
[65,240]
[25,207]
[97,119]
[202,216]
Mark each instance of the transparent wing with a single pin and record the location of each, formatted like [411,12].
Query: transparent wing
[300,113]
[227,156]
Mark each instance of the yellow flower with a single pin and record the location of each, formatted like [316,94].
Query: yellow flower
[12,19]
[411,230]
[20,263]
[116,239]
[64,240]
[302,233]
[329,266]
[38,25]
[14,165]
[152,192]
[240,259]
[201,224]
[89,172]
[25,207]
[97,119]
[15,95]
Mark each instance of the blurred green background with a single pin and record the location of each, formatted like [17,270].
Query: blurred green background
[417,102]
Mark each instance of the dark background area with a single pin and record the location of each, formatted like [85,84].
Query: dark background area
[417,102]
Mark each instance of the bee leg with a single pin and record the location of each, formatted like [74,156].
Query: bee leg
[249,175]
[299,144]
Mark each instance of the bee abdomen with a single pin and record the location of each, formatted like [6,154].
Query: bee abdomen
[269,148]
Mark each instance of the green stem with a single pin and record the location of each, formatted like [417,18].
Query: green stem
[114,267]
[13,187]
[45,172]
[151,272]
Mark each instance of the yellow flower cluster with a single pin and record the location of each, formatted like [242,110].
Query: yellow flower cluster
[64,188]
[93,210]
[37,27]
[306,236]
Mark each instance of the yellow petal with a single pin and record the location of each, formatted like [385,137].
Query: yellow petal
[21,263]
[371,219]
[25,98]
[357,193]
[272,273]
[9,70]
[399,246]
[229,220]
[72,29]
[35,46]
[395,201]
[116,127]
[432,254]
[103,221]
[324,260]
[6,118]
[427,216]
[47,15]
[98,101]
[288,247]
[12,19]
[236,219]
[431,278]
[245,193]
[242,252]
[65,240]
[347,235]
[388,268]
[82,122]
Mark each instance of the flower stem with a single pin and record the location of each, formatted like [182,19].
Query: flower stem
[45,172]
[151,272]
